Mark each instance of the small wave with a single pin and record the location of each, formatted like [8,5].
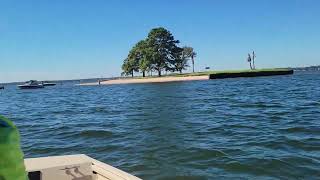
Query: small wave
[315,130]
[202,154]
[186,177]
[49,151]
[309,144]
[95,133]
[266,167]
[106,148]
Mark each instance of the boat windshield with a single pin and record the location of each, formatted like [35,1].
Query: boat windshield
[32,82]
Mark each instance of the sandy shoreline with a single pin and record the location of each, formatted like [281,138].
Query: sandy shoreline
[148,80]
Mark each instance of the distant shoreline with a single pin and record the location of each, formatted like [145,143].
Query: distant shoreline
[95,79]
[148,80]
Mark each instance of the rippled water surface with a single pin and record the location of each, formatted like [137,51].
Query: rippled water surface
[246,128]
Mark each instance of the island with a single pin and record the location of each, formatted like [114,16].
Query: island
[207,75]
[160,58]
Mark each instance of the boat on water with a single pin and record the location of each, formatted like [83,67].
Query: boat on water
[32,84]
[1,87]
[45,83]
[73,167]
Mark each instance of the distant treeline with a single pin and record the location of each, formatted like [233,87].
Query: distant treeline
[310,68]
[158,52]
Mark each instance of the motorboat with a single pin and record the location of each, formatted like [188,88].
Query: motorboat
[1,87]
[32,84]
[73,167]
[46,83]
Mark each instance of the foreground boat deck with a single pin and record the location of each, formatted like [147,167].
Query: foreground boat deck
[73,167]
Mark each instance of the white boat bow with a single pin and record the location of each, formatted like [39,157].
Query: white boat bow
[73,167]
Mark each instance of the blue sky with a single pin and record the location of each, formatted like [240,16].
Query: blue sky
[61,39]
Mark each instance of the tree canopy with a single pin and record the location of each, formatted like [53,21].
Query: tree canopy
[190,54]
[158,52]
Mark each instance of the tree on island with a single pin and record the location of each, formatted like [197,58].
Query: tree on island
[143,56]
[146,62]
[163,48]
[159,52]
[190,53]
[127,68]
[182,61]
[249,60]
[131,63]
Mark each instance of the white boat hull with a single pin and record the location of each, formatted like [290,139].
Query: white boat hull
[73,167]
[30,86]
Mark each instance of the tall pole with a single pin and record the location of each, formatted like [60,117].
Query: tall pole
[253,56]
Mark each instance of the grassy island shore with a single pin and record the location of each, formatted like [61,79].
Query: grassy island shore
[196,76]
[249,73]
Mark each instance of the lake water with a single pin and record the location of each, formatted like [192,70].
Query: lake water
[245,128]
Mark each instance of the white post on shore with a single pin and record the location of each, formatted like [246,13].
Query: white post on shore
[253,57]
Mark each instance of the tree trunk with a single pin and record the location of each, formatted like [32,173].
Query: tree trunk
[143,74]
[192,64]
[250,65]
[132,73]
[159,72]
[253,66]
[180,71]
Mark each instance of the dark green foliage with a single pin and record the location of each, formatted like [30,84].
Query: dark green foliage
[163,48]
[159,51]
[190,54]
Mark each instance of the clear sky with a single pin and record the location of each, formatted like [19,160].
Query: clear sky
[67,39]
